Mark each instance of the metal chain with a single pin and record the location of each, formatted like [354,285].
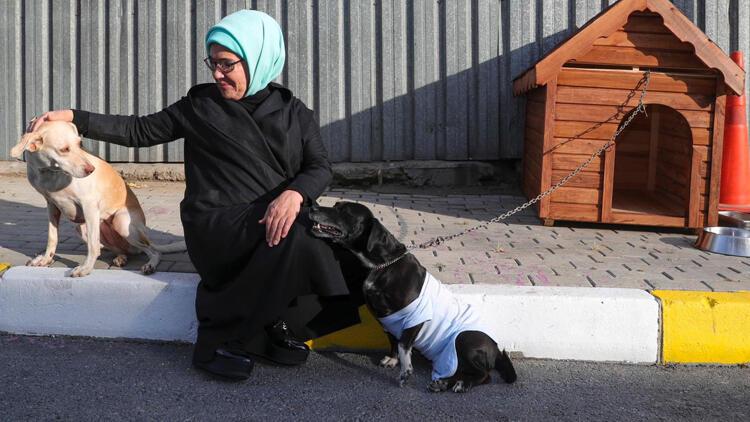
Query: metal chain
[641,108]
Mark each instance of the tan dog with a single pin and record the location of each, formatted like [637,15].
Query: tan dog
[89,192]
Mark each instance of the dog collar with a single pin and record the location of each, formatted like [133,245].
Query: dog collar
[388,263]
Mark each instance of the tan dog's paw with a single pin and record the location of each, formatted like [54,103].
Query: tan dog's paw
[80,271]
[120,260]
[148,269]
[40,261]
[388,362]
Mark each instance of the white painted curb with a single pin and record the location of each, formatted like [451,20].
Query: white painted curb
[105,303]
[595,324]
[578,323]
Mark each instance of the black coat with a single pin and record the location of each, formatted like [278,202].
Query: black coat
[238,158]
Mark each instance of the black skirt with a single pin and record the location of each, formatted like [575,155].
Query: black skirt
[246,285]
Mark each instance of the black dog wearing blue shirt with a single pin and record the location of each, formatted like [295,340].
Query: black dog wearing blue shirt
[414,308]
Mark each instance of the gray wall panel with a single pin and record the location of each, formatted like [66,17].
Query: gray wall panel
[121,68]
[388,79]
[12,78]
[428,92]
[93,77]
[394,102]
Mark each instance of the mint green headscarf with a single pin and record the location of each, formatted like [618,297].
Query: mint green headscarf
[257,39]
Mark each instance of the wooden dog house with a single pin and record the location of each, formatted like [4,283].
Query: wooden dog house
[664,169]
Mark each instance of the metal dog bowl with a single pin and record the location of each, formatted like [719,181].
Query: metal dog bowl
[734,219]
[725,240]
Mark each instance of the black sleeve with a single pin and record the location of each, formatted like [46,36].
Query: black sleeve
[132,131]
[315,173]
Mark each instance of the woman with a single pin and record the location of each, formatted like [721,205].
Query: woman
[254,161]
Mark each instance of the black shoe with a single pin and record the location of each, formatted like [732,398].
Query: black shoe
[282,336]
[228,364]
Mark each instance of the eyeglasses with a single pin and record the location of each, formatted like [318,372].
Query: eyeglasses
[224,66]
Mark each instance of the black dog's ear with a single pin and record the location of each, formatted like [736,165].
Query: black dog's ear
[381,242]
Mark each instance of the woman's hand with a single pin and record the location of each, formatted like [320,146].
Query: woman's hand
[280,216]
[61,115]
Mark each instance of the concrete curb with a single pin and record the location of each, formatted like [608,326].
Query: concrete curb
[410,173]
[561,323]
[113,304]
[705,327]
[592,324]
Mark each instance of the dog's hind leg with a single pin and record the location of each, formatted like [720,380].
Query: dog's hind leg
[504,366]
[405,344]
[54,222]
[476,353]
[391,359]
[144,244]
[133,231]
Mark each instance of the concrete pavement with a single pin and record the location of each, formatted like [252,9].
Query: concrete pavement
[567,265]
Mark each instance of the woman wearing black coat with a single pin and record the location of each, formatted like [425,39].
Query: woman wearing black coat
[254,163]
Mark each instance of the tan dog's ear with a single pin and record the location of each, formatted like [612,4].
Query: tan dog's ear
[28,142]
[75,128]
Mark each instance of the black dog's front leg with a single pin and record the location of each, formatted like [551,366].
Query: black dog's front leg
[405,344]
[391,359]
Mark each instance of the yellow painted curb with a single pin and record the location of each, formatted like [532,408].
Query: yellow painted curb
[367,335]
[3,266]
[705,327]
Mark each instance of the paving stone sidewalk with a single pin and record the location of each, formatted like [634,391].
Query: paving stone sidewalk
[519,251]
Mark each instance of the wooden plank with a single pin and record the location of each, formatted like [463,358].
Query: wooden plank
[695,194]
[668,196]
[616,97]
[574,195]
[569,129]
[631,148]
[613,114]
[549,127]
[716,154]
[628,56]
[572,161]
[662,41]
[575,146]
[628,79]
[676,146]
[608,183]
[646,219]
[584,179]
[574,212]
[645,23]
[653,154]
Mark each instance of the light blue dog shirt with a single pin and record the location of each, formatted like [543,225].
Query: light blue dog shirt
[444,317]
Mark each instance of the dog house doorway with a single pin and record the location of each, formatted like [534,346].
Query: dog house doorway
[652,168]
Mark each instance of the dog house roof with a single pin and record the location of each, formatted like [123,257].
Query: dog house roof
[613,18]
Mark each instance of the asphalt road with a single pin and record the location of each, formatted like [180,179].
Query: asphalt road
[43,378]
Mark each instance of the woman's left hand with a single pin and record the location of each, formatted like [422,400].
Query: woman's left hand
[280,216]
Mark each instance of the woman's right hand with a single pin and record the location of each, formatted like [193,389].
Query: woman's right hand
[59,115]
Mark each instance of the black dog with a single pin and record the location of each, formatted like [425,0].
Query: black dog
[414,308]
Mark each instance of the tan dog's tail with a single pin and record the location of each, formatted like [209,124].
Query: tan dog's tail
[178,246]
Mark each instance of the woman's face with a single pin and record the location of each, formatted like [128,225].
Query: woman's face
[234,83]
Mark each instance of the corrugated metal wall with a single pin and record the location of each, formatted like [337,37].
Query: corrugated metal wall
[389,79]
